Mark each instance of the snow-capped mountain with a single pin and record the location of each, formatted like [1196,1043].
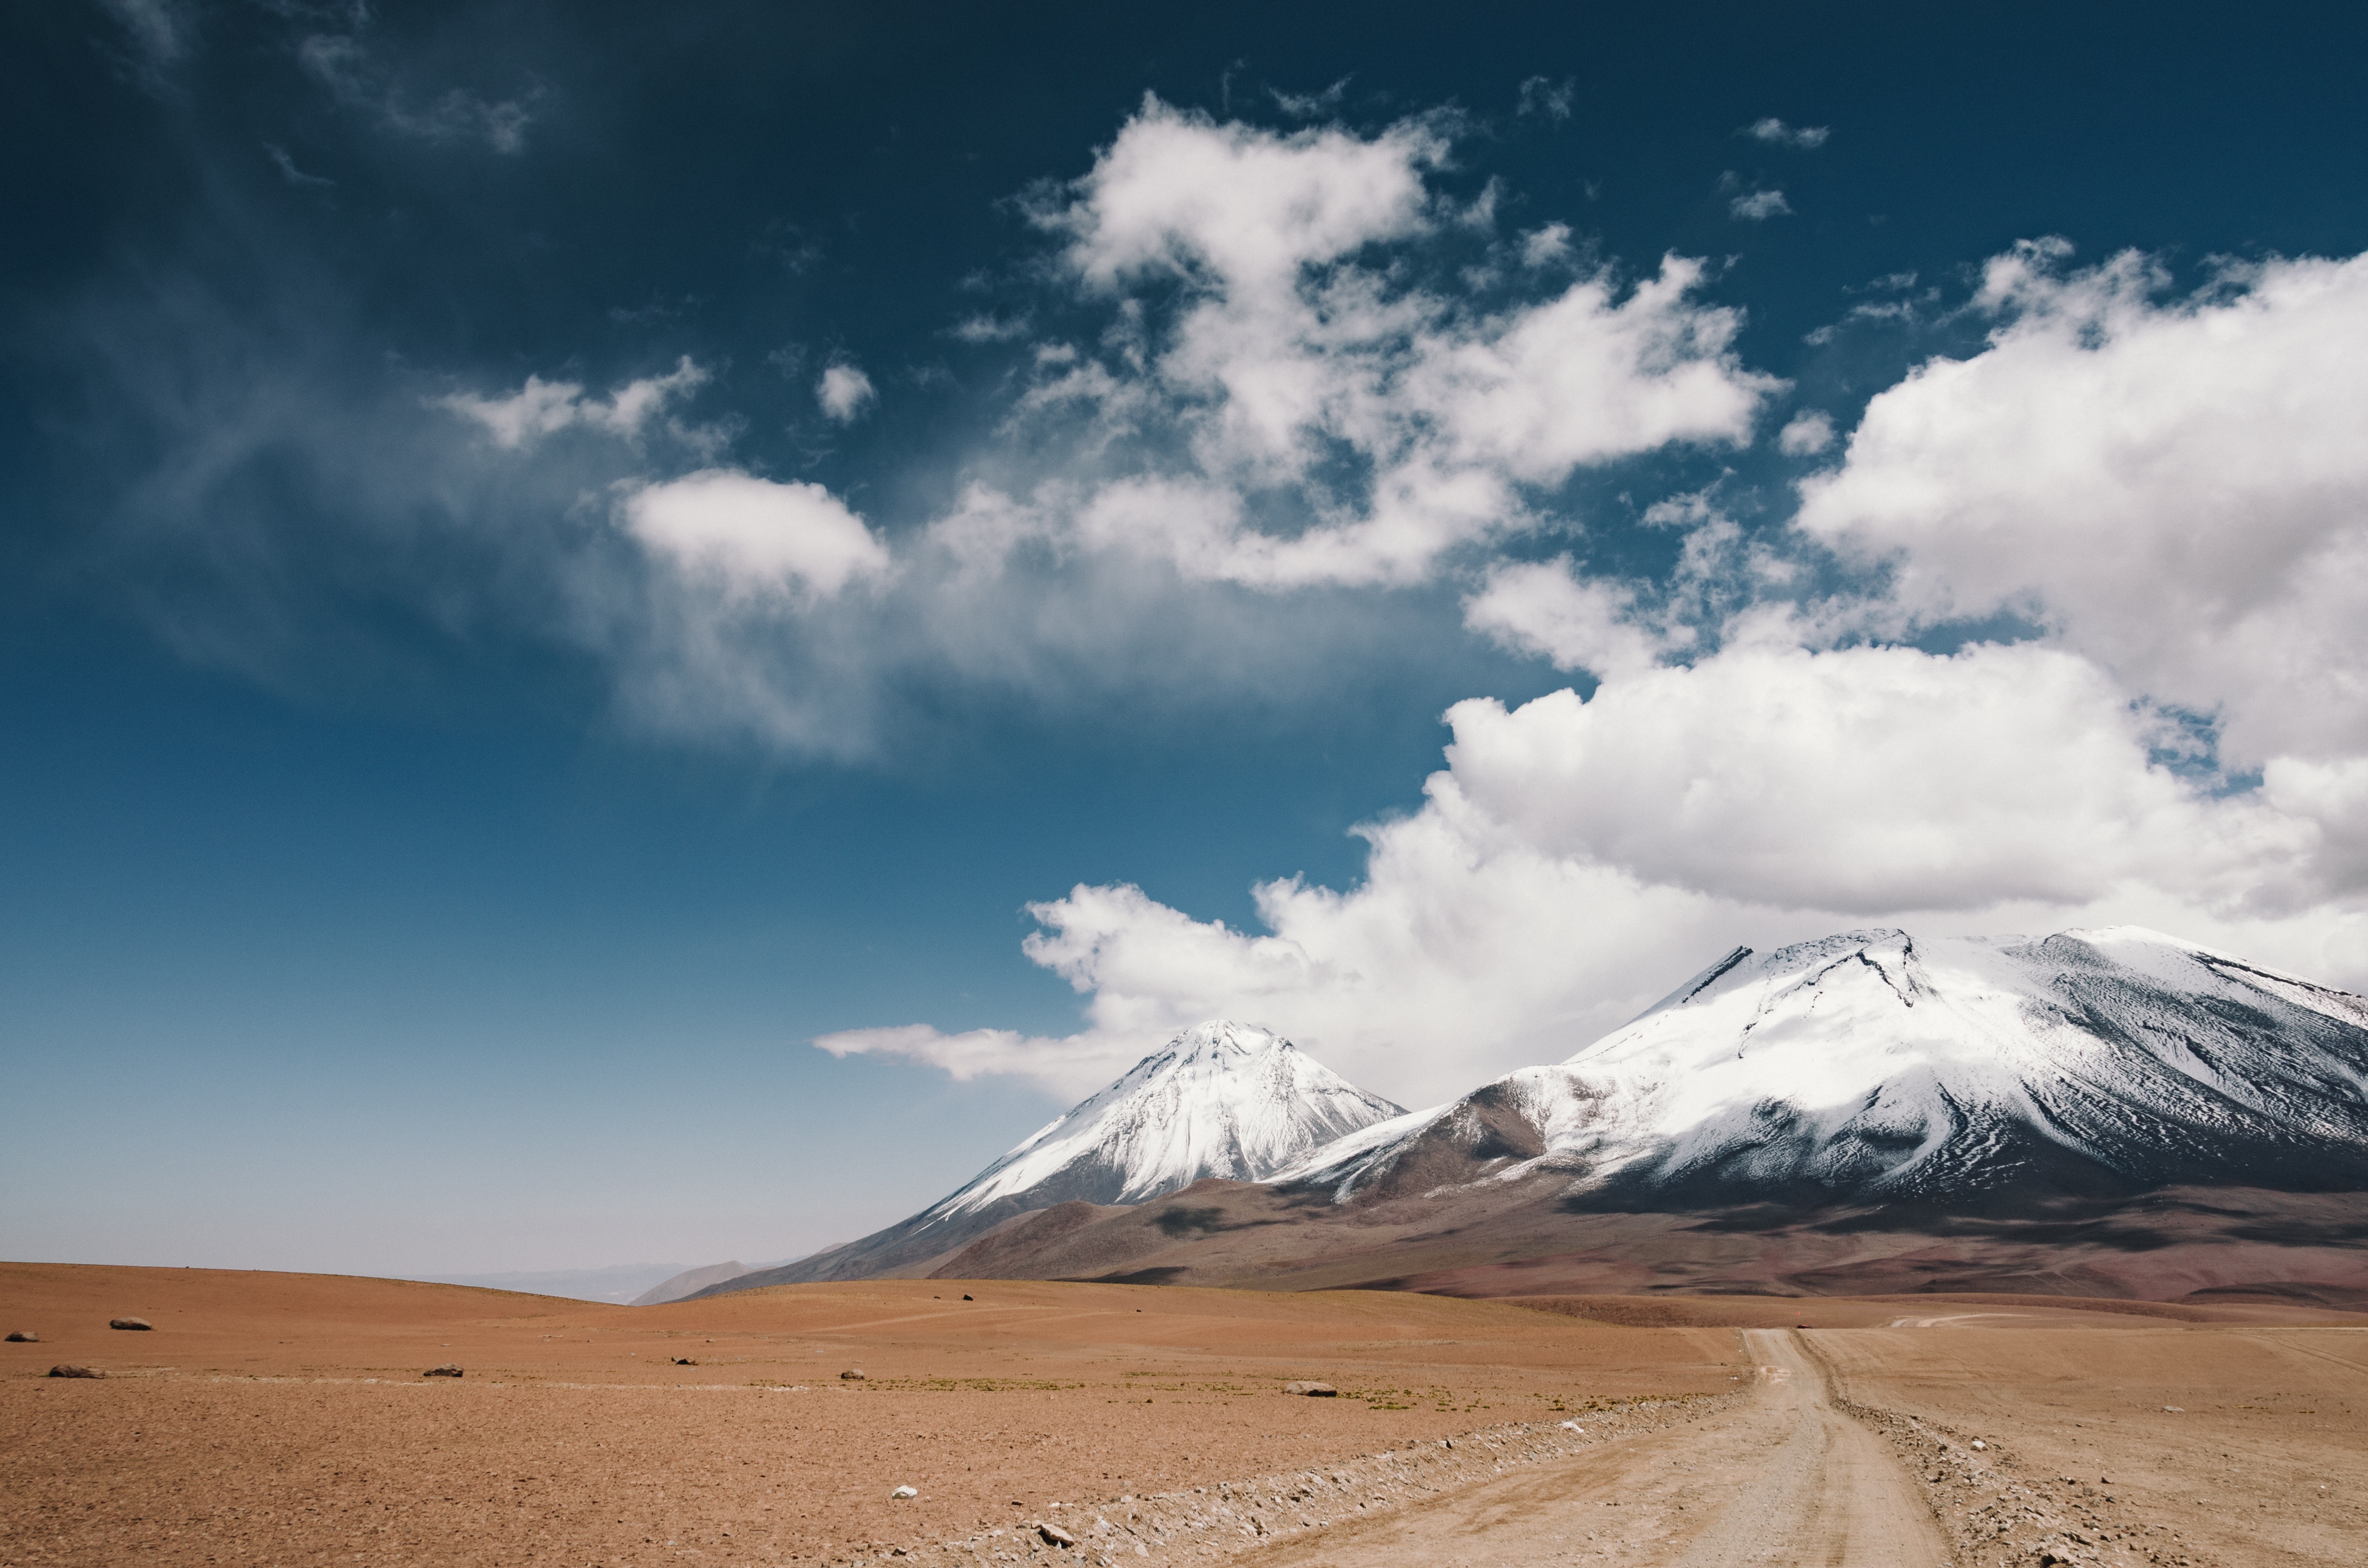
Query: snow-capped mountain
[1221,1099]
[1957,1071]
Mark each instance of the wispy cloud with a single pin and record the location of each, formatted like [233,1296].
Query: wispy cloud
[1550,100]
[352,70]
[1310,105]
[542,408]
[1806,137]
[288,169]
[1757,206]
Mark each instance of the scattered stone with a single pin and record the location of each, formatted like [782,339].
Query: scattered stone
[69,1370]
[1056,1536]
[1312,1391]
[852,1375]
[24,1337]
[448,1369]
[904,1492]
[130,1322]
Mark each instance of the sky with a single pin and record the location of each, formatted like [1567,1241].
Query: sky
[646,634]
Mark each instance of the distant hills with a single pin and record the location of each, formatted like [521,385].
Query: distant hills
[620,1284]
[2105,1112]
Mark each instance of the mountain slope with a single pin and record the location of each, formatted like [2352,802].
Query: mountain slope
[1959,1073]
[2104,1112]
[1221,1099]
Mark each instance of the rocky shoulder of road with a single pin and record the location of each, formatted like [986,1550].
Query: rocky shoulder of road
[1999,1510]
[1235,1516]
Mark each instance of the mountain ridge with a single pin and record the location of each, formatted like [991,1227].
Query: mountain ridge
[2112,1112]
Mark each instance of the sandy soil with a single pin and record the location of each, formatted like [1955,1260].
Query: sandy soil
[277,1418]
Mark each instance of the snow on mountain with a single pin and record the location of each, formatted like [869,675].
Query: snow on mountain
[1221,1099]
[1872,1065]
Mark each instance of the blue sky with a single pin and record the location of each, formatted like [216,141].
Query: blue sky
[555,556]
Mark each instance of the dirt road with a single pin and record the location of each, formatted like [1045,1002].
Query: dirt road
[1784,1478]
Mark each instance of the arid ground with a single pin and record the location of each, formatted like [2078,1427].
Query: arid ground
[272,1418]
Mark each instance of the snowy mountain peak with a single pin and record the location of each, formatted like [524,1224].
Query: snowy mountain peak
[1220,1099]
[1871,1064]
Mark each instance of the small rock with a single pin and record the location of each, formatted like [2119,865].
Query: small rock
[448,1369]
[685,1362]
[965,1298]
[24,1337]
[68,1370]
[130,1322]
[1312,1391]
[852,1375]
[902,1492]
[1980,1447]
[2174,1409]
[1056,1536]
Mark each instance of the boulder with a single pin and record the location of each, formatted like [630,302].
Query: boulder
[24,1337]
[130,1322]
[448,1369]
[1312,1391]
[852,1375]
[68,1370]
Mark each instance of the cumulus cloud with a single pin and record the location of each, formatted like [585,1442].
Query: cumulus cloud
[1576,858]
[1291,345]
[1783,135]
[844,392]
[1806,434]
[1576,623]
[2175,486]
[2166,487]
[748,536]
[541,408]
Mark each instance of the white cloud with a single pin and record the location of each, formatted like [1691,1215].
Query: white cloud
[1859,781]
[1807,434]
[1292,345]
[988,327]
[1576,623]
[844,392]
[1544,247]
[748,536]
[1776,130]
[2176,487]
[1576,859]
[1759,206]
[1178,193]
[541,408]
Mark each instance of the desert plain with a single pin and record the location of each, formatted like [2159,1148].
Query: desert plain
[278,1418]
